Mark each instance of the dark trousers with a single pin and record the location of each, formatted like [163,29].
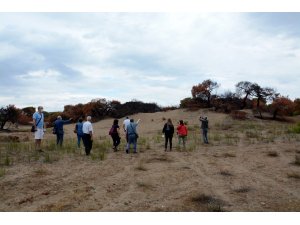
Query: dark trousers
[116,140]
[204,134]
[88,143]
[59,139]
[168,138]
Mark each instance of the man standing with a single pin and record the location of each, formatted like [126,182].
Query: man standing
[59,129]
[132,135]
[88,132]
[204,127]
[39,127]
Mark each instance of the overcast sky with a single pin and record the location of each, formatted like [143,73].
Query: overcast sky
[55,59]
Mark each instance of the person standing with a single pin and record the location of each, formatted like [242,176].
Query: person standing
[182,133]
[39,127]
[132,136]
[59,129]
[79,132]
[168,131]
[204,127]
[88,133]
[115,134]
[126,122]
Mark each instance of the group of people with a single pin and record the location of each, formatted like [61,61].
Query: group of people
[85,132]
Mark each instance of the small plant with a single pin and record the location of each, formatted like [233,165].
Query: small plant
[212,204]
[273,154]
[41,172]
[144,185]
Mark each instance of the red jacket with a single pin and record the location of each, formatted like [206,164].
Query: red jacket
[182,130]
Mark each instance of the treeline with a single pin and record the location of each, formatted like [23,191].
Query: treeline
[97,108]
[247,95]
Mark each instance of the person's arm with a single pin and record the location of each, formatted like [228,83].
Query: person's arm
[164,129]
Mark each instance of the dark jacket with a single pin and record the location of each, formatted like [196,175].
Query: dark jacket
[168,130]
[204,124]
[59,126]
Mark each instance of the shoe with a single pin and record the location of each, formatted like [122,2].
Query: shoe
[40,150]
[127,151]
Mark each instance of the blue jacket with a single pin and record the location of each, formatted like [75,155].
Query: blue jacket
[79,129]
[59,125]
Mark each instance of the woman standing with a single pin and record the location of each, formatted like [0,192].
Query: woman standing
[79,132]
[168,131]
[182,133]
[115,134]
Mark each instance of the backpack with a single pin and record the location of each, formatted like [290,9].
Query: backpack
[112,130]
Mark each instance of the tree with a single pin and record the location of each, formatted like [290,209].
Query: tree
[282,106]
[203,91]
[262,94]
[244,88]
[10,113]
[297,106]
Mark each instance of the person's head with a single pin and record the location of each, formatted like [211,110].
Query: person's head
[169,121]
[40,109]
[116,122]
[88,118]
[127,117]
[181,122]
[131,120]
[80,120]
[59,118]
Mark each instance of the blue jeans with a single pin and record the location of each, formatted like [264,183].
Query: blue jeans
[131,140]
[79,137]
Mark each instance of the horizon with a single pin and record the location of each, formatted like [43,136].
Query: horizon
[57,59]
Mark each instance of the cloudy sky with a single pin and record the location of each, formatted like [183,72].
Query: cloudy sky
[54,59]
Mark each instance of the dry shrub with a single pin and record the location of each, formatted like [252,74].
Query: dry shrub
[238,115]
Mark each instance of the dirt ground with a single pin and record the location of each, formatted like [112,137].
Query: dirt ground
[235,172]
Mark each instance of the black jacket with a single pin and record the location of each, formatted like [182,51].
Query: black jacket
[169,131]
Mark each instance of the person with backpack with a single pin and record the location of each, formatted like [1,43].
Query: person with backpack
[59,129]
[168,132]
[38,128]
[79,132]
[204,127]
[114,132]
[182,133]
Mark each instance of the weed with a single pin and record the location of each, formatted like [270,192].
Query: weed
[212,204]
[7,161]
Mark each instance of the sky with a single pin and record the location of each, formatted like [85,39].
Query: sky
[56,59]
